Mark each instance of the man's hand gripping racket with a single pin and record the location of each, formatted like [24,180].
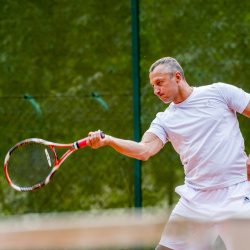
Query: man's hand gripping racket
[31,163]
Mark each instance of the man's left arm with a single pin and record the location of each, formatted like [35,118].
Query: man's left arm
[246,113]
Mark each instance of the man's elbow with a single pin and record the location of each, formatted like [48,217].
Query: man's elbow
[143,157]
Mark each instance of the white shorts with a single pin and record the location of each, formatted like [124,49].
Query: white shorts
[200,216]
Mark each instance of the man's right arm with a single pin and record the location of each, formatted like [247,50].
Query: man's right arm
[149,145]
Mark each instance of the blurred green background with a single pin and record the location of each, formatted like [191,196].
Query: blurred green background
[66,69]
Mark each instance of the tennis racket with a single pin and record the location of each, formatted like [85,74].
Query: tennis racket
[31,163]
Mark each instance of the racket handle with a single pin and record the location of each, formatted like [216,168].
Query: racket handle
[83,142]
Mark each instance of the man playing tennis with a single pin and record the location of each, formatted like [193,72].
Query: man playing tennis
[202,125]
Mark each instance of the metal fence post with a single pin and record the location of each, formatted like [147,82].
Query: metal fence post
[136,97]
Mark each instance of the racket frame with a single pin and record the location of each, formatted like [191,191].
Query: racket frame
[72,147]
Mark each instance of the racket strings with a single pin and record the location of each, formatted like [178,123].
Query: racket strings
[30,164]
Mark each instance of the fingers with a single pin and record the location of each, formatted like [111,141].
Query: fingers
[248,168]
[95,139]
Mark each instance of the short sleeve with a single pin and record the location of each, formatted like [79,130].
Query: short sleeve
[236,98]
[157,128]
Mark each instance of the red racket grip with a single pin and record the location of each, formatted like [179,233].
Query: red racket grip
[83,142]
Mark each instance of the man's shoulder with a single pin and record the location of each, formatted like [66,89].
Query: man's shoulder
[211,88]
[170,108]
[220,88]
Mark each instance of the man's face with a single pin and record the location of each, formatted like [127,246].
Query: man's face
[165,88]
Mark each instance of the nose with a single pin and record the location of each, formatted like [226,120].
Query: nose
[156,90]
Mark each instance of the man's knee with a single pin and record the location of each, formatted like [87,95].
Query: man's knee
[160,247]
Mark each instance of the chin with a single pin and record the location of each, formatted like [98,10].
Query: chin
[166,101]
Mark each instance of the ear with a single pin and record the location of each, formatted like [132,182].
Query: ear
[177,77]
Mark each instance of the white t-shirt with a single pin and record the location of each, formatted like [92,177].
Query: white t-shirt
[205,132]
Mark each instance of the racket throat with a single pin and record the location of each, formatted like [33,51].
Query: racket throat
[76,145]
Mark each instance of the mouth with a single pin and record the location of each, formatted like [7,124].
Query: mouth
[160,95]
[163,98]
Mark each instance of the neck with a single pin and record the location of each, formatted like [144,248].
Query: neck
[184,92]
